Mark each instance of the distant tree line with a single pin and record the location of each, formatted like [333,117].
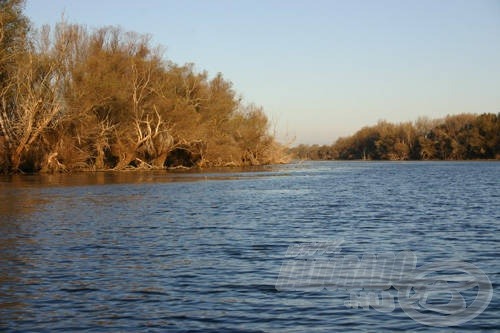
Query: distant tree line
[78,99]
[456,137]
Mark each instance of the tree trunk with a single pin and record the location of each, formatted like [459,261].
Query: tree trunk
[125,160]
[159,161]
[99,160]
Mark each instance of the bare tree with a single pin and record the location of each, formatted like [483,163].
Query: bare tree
[38,107]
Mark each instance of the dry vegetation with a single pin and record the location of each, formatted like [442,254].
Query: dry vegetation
[79,99]
[457,137]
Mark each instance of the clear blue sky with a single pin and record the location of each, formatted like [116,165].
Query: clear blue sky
[322,69]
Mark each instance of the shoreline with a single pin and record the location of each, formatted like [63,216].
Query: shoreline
[230,168]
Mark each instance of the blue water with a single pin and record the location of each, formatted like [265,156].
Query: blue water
[202,251]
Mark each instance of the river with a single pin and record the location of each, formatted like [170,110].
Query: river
[203,251]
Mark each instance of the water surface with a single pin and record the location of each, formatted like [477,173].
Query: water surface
[191,251]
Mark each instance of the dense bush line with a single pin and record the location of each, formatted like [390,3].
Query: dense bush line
[456,137]
[73,98]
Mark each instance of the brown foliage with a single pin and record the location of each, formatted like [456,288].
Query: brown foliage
[106,99]
[457,137]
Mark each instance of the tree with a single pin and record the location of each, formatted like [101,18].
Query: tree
[14,28]
[106,99]
[462,136]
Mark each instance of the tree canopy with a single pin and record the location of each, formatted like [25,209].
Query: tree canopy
[73,98]
[456,137]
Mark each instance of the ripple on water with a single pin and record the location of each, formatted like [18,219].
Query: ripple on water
[202,252]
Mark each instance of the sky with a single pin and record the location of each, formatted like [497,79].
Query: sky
[321,69]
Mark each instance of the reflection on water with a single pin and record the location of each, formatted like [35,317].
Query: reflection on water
[134,177]
[187,251]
